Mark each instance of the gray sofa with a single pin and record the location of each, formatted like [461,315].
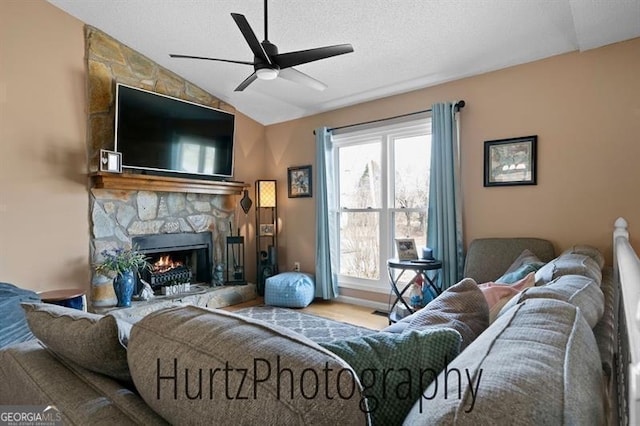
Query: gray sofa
[540,362]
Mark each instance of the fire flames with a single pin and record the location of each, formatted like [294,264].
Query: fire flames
[165,264]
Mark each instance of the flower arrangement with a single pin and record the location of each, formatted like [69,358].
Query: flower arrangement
[122,260]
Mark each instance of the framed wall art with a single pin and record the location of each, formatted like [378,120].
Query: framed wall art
[510,161]
[299,180]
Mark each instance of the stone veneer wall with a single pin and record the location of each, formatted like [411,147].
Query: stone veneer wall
[116,216]
[110,62]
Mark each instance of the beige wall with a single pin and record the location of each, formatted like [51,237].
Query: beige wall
[44,203]
[249,167]
[585,109]
[44,231]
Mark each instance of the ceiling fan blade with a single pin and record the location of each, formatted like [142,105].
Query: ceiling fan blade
[173,55]
[296,76]
[290,59]
[246,82]
[250,37]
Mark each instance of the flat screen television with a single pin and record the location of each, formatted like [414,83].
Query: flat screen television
[162,135]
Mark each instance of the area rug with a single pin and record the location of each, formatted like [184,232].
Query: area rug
[318,329]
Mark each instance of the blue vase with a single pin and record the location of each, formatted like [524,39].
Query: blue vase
[123,285]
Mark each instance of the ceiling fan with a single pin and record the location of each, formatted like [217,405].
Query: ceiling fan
[268,64]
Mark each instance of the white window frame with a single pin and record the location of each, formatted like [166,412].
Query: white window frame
[386,134]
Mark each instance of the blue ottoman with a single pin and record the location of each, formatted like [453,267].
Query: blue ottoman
[289,290]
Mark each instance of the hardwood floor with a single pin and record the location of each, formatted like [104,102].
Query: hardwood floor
[352,314]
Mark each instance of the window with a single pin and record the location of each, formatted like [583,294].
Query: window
[382,193]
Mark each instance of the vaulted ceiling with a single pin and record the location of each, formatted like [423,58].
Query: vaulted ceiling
[399,45]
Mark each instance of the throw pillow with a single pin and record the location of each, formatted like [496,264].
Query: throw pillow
[498,295]
[395,368]
[580,291]
[525,257]
[569,264]
[520,273]
[95,342]
[13,322]
[520,268]
[461,307]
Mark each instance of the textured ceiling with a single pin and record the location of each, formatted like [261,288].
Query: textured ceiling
[399,45]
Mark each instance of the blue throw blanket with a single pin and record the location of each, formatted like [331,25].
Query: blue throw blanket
[13,322]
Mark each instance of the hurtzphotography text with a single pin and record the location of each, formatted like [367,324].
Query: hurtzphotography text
[262,376]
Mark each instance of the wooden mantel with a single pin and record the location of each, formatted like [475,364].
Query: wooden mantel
[138,182]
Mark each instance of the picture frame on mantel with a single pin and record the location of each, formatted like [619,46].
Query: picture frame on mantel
[299,181]
[511,161]
[110,161]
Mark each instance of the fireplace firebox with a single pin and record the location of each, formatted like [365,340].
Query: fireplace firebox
[176,259]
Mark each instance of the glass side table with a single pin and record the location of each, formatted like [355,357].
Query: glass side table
[419,268]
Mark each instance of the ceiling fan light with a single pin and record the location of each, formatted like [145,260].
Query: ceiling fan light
[267,73]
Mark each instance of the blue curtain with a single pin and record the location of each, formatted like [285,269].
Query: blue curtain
[326,245]
[444,225]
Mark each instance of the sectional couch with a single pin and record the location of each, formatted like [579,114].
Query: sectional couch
[545,359]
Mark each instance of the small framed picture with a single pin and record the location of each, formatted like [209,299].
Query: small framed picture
[110,161]
[299,180]
[406,249]
[510,161]
[266,229]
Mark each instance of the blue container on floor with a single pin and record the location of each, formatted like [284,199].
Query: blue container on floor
[289,290]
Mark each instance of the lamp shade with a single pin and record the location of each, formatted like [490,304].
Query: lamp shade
[266,193]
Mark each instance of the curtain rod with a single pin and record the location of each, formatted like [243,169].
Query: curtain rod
[458,105]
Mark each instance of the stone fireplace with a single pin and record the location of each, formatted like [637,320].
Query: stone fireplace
[126,210]
[191,225]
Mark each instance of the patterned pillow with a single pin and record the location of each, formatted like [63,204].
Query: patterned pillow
[394,368]
[498,295]
[461,307]
[95,342]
